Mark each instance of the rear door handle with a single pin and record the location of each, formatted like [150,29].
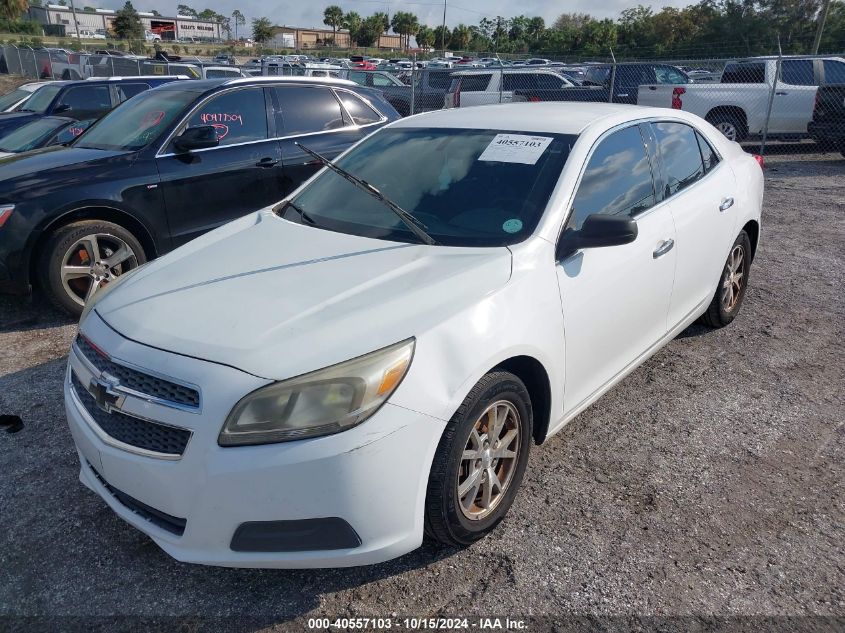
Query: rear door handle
[664,248]
[727,203]
[267,162]
[781,93]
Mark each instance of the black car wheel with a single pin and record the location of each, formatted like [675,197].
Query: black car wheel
[480,461]
[81,258]
[732,285]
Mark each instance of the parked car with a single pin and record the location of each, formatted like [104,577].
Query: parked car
[391,358]
[10,101]
[164,168]
[483,87]
[43,132]
[224,59]
[828,124]
[625,79]
[738,104]
[86,99]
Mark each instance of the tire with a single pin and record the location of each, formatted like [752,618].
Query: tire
[842,149]
[457,521]
[724,307]
[72,244]
[730,125]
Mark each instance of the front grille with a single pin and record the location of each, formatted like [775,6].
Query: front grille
[172,524]
[130,430]
[139,381]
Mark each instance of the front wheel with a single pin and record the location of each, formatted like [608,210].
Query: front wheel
[730,125]
[480,461]
[83,257]
[732,285]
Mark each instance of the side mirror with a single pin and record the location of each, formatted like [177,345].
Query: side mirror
[598,231]
[199,137]
[62,107]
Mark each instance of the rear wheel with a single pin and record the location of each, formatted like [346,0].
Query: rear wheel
[480,461]
[730,125]
[81,258]
[731,291]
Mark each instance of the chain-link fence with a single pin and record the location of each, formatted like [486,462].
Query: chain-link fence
[783,102]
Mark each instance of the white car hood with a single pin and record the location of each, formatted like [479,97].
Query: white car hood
[278,299]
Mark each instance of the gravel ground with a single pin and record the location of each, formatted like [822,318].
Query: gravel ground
[709,483]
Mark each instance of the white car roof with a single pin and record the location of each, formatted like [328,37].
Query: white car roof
[507,70]
[551,117]
[293,79]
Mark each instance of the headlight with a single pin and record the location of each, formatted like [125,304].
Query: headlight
[89,305]
[320,403]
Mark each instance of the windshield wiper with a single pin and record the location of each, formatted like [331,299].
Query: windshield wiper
[303,214]
[417,228]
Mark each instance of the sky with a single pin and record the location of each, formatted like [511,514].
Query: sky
[309,13]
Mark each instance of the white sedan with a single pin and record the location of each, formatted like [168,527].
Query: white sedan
[324,382]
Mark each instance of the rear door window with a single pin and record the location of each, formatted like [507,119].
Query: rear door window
[361,113]
[834,72]
[475,83]
[708,154]
[549,81]
[520,81]
[669,75]
[126,91]
[306,110]
[439,80]
[239,116]
[751,73]
[797,72]
[681,155]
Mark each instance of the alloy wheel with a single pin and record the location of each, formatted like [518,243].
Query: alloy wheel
[733,278]
[728,129]
[92,262]
[489,460]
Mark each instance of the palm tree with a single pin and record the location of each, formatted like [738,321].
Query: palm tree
[461,36]
[425,37]
[536,26]
[333,17]
[240,20]
[352,22]
[13,9]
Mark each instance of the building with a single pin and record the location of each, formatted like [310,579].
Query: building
[308,39]
[100,20]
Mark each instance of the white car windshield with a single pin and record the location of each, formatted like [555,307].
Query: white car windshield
[468,187]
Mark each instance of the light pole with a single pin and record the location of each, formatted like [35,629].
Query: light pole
[76,23]
[443,32]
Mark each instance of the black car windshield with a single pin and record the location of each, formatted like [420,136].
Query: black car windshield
[468,187]
[138,122]
[30,135]
[40,100]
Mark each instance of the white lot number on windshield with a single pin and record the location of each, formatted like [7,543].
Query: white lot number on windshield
[515,148]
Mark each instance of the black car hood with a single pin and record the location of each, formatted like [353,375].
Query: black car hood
[62,162]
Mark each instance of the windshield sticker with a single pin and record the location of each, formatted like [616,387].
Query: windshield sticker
[151,119]
[512,226]
[221,117]
[515,148]
[222,130]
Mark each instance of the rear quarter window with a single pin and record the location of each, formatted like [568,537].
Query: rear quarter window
[475,83]
[744,74]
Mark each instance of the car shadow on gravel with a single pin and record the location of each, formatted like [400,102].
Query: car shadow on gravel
[32,312]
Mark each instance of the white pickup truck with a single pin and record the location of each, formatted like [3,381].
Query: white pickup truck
[738,104]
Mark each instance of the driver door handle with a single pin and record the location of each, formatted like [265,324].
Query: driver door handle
[664,248]
[267,162]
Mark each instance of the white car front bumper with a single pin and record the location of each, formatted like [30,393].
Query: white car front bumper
[365,485]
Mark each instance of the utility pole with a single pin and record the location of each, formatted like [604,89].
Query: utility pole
[76,23]
[443,32]
[822,18]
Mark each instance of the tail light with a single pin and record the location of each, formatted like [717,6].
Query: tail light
[534,98]
[759,160]
[676,97]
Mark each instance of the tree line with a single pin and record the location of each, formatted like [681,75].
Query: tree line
[710,27]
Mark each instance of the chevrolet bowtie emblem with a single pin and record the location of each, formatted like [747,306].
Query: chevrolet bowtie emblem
[104,393]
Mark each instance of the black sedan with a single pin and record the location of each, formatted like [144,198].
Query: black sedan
[163,168]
